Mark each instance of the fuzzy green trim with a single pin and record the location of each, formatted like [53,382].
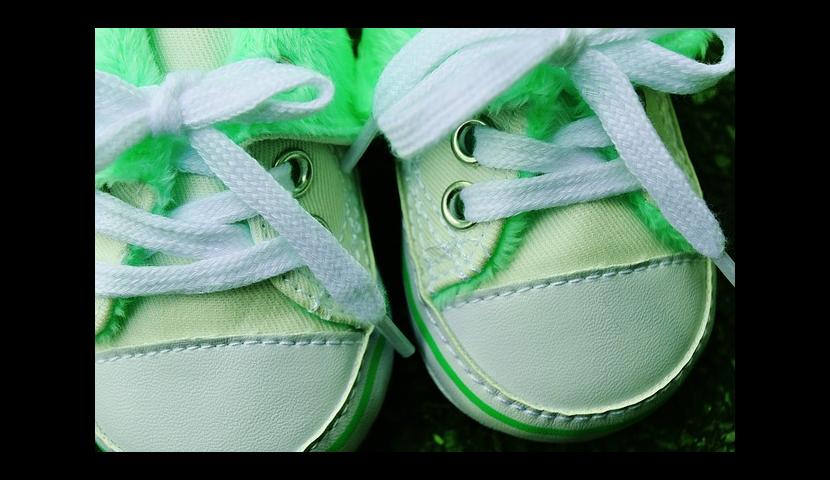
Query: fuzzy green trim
[121,307]
[377,46]
[150,162]
[325,50]
[691,43]
[126,52]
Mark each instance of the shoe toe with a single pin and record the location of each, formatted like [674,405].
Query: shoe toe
[589,344]
[239,394]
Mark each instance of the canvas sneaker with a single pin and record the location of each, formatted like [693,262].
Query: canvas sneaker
[237,303]
[559,261]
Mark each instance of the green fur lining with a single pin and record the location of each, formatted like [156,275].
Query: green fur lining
[377,46]
[325,50]
[121,306]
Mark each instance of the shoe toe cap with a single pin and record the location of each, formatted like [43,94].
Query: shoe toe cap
[588,344]
[252,393]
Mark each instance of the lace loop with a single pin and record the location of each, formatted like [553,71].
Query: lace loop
[164,113]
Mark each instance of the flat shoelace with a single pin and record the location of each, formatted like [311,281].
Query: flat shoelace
[443,77]
[189,104]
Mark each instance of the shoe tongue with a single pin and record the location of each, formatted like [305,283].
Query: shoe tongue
[191,48]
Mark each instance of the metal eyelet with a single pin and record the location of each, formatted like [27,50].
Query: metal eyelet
[301,171]
[450,206]
[321,221]
[459,141]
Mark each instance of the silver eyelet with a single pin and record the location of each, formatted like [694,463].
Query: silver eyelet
[301,171]
[458,140]
[449,206]
[321,221]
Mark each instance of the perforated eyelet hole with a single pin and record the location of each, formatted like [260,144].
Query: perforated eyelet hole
[321,221]
[301,171]
[463,141]
[453,208]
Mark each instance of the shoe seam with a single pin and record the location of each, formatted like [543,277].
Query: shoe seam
[594,276]
[207,346]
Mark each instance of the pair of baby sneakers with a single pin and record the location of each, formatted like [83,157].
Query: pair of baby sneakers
[559,262]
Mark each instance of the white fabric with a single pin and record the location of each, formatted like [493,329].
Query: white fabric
[443,77]
[188,103]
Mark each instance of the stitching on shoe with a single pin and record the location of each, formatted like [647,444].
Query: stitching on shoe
[593,277]
[352,223]
[434,268]
[499,396]
[246,343]
[315,302]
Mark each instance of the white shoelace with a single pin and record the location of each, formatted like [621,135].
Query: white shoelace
[189,104]
[443,77]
